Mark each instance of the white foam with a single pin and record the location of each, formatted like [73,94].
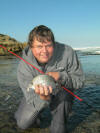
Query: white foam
[87,48]
[91,50]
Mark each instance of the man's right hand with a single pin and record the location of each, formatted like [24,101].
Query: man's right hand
[43,91]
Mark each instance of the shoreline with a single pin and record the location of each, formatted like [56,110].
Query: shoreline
[10,99]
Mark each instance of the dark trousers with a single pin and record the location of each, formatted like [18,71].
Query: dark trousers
[60,107]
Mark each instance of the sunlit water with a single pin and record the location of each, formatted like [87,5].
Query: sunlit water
[91,64]
[10,93]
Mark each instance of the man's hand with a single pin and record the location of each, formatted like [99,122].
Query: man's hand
[55,75]
[43,91]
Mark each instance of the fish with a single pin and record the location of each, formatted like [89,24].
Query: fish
[44,80]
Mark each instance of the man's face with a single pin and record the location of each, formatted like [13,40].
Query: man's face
[42,51]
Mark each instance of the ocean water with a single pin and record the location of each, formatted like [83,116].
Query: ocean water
[8,69]
[90,64]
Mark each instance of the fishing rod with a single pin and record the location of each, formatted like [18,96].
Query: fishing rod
[43,73]
[39,71]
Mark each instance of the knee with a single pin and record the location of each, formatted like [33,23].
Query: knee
[21,123]
[26,124]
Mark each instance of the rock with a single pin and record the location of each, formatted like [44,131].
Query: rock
[90,125]
[10,44]
[7,98]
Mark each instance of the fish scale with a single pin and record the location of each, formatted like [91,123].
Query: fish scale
[43,80]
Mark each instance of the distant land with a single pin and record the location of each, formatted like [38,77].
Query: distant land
[11,44]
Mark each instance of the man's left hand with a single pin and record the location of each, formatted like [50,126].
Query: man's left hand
[55,75]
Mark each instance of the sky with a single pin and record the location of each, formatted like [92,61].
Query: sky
[73,22]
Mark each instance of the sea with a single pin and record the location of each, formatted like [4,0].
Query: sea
[90,59]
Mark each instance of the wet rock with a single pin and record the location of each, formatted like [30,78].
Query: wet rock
[10,44]
[7,98]
[90,125]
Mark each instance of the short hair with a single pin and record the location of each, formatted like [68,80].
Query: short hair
[42,34]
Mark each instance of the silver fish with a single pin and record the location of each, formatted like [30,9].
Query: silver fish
[43,80]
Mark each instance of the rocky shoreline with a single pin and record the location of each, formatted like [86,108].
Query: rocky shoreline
[10,44]
[10,99]
[15,48]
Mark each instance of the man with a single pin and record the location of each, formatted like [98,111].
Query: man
[60,62]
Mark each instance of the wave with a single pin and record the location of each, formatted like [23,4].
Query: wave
[88,50]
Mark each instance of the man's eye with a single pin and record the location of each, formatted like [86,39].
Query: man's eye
[50,45]
[40,47]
